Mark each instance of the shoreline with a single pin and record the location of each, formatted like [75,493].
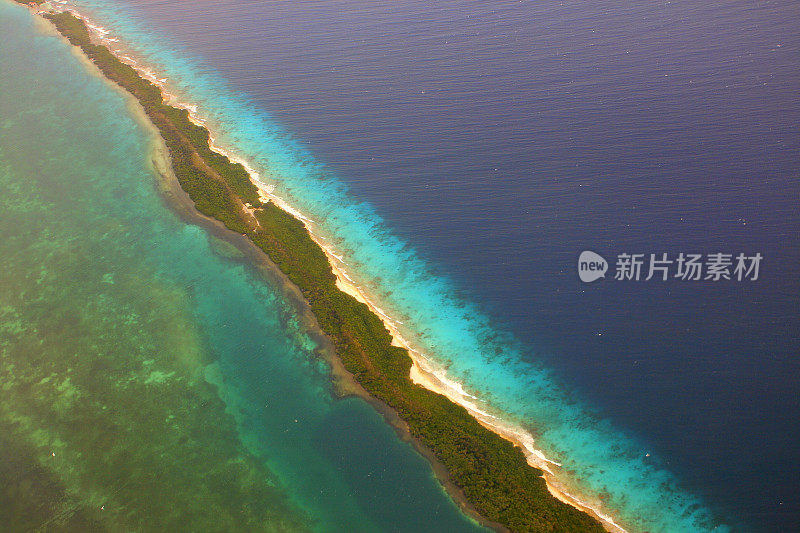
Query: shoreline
[431,381]
[342,381]
[421,371]
[427,378]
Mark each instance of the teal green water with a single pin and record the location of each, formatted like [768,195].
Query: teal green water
[150,373]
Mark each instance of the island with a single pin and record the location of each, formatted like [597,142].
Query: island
[488,471]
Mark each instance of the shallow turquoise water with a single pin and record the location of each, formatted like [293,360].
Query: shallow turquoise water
[78,165]
[598,457]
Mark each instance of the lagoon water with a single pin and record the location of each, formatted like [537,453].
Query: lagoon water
[460,156]
[96,264]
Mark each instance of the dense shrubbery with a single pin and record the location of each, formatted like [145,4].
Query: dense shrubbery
[491,471]
[193,161]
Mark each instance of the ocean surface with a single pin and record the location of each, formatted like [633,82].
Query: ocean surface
[96,267]
[459,156]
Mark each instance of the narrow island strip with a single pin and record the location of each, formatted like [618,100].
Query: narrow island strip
[491,472]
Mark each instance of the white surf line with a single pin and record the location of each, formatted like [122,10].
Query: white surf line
[423,371]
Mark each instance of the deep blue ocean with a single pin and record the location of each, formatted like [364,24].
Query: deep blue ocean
[461,155]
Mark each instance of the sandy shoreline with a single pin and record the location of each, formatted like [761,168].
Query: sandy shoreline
[423,372]
[429,379]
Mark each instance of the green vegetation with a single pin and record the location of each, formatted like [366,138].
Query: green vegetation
[491,471]
[221,197]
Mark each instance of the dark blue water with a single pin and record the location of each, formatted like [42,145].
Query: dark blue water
[501,139]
